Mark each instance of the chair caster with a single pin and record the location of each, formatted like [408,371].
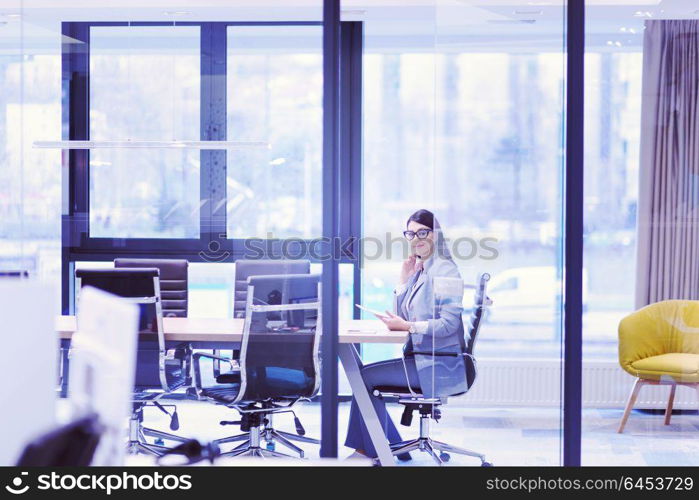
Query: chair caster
[270,445]
[486,464]
[444,457]
[159,442]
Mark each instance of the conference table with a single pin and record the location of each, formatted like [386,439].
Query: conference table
[220,333]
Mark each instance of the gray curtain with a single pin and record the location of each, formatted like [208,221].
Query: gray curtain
[668,226]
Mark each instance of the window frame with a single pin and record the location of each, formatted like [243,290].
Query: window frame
[213,244]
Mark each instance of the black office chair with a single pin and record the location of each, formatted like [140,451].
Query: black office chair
[174,291]
[429,407]
[244,268]
[161,367]
[279,361]
[174,279]
[70,445]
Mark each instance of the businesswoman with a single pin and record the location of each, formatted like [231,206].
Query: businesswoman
[429,328]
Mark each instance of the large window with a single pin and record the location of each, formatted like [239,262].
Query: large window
[612,149]
[144,86]
[464,116]
[498,192]
[275,95]
[638,229]
[30,178]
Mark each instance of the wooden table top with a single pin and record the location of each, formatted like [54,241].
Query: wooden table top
[361,331]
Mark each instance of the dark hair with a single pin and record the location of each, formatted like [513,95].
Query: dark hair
[424,217]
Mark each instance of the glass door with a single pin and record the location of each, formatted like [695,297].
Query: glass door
[463,137]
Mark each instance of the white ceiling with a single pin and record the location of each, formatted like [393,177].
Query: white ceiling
[447,24]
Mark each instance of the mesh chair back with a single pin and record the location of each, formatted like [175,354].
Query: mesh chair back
[245,268]
[480,304]
[140,286]
[473,326]
[173,282]
[279,353]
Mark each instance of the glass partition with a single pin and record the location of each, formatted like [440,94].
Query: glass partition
[640,226]
[464,117]
[275,89]
[145,192]
[157,130]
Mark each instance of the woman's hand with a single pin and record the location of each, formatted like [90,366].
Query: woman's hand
[394,322]
[408,269]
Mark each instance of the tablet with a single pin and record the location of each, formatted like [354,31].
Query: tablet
[373,311]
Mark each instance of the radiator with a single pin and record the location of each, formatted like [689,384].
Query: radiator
[538,382]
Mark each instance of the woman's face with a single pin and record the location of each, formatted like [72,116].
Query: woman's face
[421,247]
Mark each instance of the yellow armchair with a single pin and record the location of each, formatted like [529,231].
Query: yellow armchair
[659,344]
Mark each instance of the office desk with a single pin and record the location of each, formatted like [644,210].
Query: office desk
[219,333]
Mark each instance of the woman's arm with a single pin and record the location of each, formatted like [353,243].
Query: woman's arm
[447,319]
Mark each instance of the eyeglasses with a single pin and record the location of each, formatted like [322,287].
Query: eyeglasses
[420,233]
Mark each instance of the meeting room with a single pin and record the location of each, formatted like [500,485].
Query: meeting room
[356,233]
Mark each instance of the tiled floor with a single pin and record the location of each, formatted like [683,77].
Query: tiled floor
[508,436]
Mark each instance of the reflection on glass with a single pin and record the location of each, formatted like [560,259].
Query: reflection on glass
[640,336]
[144,85]
[466,119]
[30,179]
[275,88]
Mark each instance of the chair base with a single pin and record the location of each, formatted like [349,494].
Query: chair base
[259,452]
[438,450]
[271,437]
[250,446]
[139,444]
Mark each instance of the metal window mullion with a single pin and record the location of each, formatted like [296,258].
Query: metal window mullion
[331,164]
[573,240]
[213,127]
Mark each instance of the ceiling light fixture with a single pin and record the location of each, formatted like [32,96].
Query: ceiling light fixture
[511,21]
[528,12]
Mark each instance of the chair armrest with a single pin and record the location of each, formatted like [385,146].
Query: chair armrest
[171,357]
[196,361]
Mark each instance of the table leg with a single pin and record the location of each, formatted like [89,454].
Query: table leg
[350,362]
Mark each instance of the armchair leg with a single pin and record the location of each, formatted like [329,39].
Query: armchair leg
[630,403]
[670,402]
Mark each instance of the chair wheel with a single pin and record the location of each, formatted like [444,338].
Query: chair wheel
[270,445]
[159,442]
[444,457]
[486,464]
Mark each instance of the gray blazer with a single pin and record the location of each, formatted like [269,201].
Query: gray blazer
[445,329]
